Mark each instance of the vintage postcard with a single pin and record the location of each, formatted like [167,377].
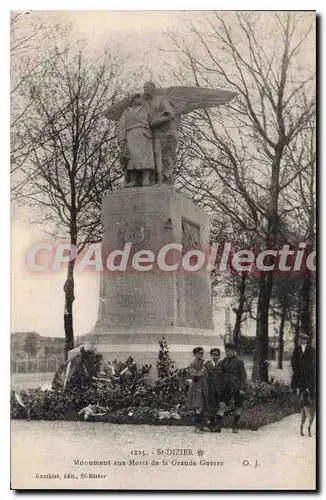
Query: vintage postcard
[163,227]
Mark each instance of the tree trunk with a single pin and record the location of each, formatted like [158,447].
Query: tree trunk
[281,338]
[240,308]
[305,305]
[305,313]
[69,286]
[68,311]
[260,365]
[297,323]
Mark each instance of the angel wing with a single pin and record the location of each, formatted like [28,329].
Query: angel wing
[187,99]
[115,111]
[182,99]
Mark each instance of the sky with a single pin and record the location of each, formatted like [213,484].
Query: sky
[37,299]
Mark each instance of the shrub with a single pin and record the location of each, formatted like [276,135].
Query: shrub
[258,393]
[164,365]
[136,401]
[164,403]
[84,367]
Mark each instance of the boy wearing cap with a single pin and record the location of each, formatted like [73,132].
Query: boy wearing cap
[232,379]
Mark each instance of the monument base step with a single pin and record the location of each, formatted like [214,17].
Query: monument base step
[146,354]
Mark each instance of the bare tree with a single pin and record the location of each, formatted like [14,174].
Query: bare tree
[73,160]
[250,146]
[301,215]
[32,55]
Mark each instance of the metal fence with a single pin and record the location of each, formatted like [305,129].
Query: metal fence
[42,364]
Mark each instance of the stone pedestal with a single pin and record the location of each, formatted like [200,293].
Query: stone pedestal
[138,307]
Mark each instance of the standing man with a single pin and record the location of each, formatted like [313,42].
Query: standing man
[165,126]
[232,379]
[212,376]
[304,366]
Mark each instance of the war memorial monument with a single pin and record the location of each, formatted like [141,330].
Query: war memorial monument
[142,303]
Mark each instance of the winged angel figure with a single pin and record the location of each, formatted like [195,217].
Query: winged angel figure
[148,124]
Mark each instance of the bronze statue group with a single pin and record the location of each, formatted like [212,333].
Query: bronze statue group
[148,125]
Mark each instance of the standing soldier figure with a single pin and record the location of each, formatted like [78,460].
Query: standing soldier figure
[165,126]
[232,379]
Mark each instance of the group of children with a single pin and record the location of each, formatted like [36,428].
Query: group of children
[214,384]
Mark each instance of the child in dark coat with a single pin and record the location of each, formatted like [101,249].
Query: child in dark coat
[232,379]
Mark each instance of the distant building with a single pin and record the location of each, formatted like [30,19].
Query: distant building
[44,345]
